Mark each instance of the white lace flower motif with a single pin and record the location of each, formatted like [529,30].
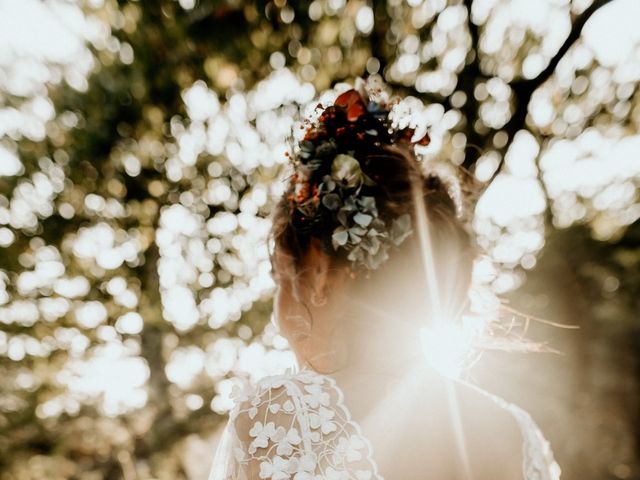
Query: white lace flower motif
[364,475]
[288,406]
[262,434]
[332,474]
[304,467]
[310,377]
[316,396]
[286,439]
[322,419]
[272,382]
[348,448]
[242,391]
[276,469]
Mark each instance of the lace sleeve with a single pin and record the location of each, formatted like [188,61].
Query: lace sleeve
[293,426]
[538,462]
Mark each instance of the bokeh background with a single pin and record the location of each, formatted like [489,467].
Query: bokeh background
[142,148]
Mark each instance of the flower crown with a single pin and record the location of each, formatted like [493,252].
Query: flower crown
[329,187]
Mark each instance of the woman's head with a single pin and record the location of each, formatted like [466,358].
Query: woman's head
[346,239]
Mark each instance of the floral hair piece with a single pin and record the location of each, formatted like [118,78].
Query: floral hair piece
[329,190]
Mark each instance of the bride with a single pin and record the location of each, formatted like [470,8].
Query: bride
[368,250]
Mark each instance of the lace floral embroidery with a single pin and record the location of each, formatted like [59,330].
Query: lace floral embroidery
[296,426]
[300,430]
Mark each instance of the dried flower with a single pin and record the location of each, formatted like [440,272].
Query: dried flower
[330,186]
[346,170]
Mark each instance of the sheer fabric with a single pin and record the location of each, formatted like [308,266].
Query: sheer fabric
[538,460]
[296,426]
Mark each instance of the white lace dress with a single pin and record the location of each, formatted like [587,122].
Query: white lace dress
[296,426]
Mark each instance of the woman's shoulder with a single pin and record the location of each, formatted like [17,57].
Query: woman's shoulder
[267,410]
[292,382]
[288,393]
[299,419]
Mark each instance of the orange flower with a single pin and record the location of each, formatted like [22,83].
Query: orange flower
[354,104]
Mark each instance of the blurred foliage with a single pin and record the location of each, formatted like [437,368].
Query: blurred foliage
[134,275]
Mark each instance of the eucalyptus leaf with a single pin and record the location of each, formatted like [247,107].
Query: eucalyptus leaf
[401,229]
[378,225]
[343,217]
[340,237]
[367,245]
[350,204]
[314,164]
[326,149]
[331,201]
[362,219]
[368,205]
[355,238]
[356,255]
[403,222]
[307,146]
[329,184]
[378,259]
[374,244]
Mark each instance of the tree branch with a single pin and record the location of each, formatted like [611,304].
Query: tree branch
[430,98]
[467,80]
[524,89]
[574,34]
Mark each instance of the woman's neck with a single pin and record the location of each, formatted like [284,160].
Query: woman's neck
[370,341]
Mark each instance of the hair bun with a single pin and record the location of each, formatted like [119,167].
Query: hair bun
[332,196]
